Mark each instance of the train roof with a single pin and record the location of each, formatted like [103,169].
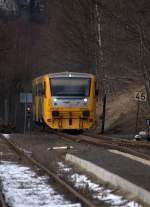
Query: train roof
[70,74]
[66,74]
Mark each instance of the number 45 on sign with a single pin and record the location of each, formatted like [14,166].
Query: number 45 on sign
[140,96]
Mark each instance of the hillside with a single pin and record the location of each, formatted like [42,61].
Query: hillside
[60,36]
[121,111]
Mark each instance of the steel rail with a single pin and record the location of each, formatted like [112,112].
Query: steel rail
[51,174]
[103,143]
[118,147]
[121,141]
[2,200]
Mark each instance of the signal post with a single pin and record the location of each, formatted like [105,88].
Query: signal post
[140,97]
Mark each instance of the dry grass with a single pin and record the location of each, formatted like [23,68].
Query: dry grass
[121,110]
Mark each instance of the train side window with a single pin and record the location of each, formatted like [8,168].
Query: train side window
[44,89]
[39,89]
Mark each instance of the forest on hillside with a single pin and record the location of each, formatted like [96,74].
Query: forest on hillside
[109,38]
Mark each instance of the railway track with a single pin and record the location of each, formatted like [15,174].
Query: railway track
[126,146]
[121,142]
[2,201]
[70,189]
[25,151]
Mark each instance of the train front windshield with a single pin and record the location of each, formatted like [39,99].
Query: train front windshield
[78,87]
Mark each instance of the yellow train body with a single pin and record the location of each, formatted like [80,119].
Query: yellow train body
[64,100]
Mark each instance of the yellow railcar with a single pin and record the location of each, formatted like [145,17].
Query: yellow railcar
[64,100]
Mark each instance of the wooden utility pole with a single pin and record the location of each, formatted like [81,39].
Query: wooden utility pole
[141,58]
[6,112]
[99,52]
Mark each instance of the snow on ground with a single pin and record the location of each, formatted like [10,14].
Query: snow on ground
[7,136]
[99,192]
[22,187]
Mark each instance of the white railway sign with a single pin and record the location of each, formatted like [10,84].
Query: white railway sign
[140,96]
[147,121]
[25,98]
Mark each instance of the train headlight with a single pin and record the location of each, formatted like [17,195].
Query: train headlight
[85,100]
[55,100]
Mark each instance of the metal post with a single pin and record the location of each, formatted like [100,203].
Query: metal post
[103,114]
[137,117]
[29,125]
[148,131]
[25,114]
[6,112]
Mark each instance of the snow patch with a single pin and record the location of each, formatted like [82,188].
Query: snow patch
[99,192]
[7,136]
[63,167]
[23,188]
